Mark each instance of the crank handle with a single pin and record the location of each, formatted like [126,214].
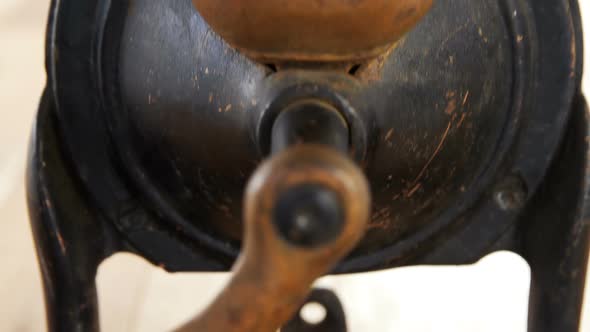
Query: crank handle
[305,209]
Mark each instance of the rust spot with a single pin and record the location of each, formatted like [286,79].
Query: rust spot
[379,224]
[436,152]
[389,136]
[373,69]
[380,219]
[461,120]
[483,37]
[466,98]
[413,190]
[451,106]
[62,243]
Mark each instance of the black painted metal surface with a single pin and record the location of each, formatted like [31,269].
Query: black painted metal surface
[334,320]
[467,129]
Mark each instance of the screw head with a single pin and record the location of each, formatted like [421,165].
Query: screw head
[511,194]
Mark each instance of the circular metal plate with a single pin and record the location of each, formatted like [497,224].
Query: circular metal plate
[164,113]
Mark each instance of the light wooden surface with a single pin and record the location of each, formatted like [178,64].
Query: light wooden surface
[490,296]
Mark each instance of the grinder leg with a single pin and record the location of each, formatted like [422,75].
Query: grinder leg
[69,243]
[555,242]
[70,292]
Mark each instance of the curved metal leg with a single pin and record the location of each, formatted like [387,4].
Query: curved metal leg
[555,240]
[70,294]
[70,243]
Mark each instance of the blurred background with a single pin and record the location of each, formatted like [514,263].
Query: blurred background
[489,296]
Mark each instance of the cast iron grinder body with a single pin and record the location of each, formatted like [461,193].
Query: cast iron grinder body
[471,131]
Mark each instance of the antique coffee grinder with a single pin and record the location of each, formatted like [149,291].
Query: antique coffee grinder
[293,139]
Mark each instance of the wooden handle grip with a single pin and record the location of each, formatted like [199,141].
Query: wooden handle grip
[273,275]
